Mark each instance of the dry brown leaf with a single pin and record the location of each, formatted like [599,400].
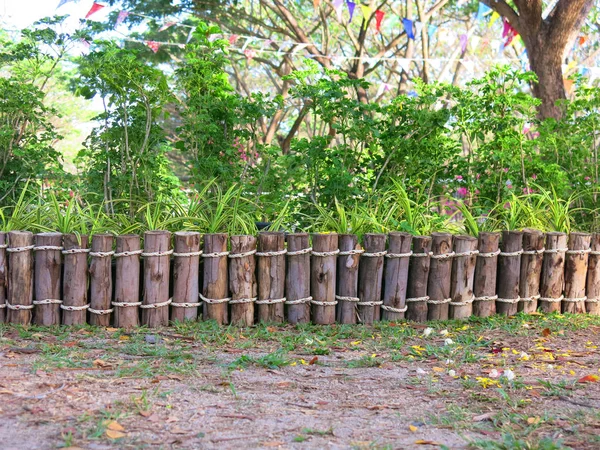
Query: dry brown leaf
[273,444]
[101,363]
[115,434]
[533,420]
[145,413]
[546,332]
[438,369]
[313,360]
[175,377]
[115,426]
[482,417]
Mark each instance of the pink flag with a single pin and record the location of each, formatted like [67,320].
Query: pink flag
[233,39]
[166,26]
[250,54]
[154,46]
[94,9]
[508,32]
[463,42]
[121,17]
[378,19]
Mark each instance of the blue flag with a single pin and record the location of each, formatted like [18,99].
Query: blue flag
[483,10]
[64,2]
[408,27]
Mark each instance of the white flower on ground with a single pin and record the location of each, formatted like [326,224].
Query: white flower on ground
[448,341]
[427,331]
[444,332]
[509,375]
[494,373]
[452,373]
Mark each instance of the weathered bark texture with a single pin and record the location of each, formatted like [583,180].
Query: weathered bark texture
[20,277]
[396,276]
[47,279]
[271,277]
[531,270]
[297,280]
[438,286]
[75,280]
[576,265]
[323,277]
[370,277]
[101,280]
[127,281]
[486,269]
[215,283]
[592,303]
[186,268]
[418,277]
[509,273]
[461,280]
[3,276]
[347,278]
[156,278]
[553,270]
[242,280]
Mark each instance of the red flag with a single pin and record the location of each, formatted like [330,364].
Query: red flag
[154,46]
[94,9]
[378,19]
[508,32]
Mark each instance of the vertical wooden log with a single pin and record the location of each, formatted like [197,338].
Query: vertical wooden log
[323,277]
[157,264]
[486,267]
[127,281]
[461,279]
[3,276]
[242,280]
[20,277]
[215,283]
[47,278]
[576,265]
[186,268]
[418,277]
[553,270]
[370,278]
[531,270]
[297,280]
[271,277]
[101,279]
[75,280]
[396,276]
[347,278]
[509,273]
[592,304]
[438,286]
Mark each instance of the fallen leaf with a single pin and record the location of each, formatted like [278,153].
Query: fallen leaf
[115,434]
[175,377]
[589,379]
[533,420]
[482,417]
[273,444]
[438,369]
[101,363]
[423,442]
[171,419]
[111,329]
[313,360]
[546,332]
[271,329]
[115,426]
[124,337]
[145,413]
[413,428]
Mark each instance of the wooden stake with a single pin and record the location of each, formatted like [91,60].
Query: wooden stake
[20,277]
[396,276]
[553,270]
[347,278]
[101,279]
[215,281]
[370,278]
[438,286]
[323,277]
[127,281]
[271,277]
[297,280]
[186,279]
[3,277]
[592,303]
[242,280]
[531,270]
[509,272]
[418,276]
[576,266]
[157,264]
[47,278]
[486,267]
[75,279]
[463,271]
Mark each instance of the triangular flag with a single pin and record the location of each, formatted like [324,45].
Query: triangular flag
[154,46]
[233,39]
[337,5]
[404,63]
[581,40]
[250,54]
[85,42]
[191,34]
[379,14]
[366,10]
[464,40]
[121,17]
[495,16]
[431,29]
[383,87]
[482,11]
[166,26]
[316,4]
[408,27]
[64,2]
[94,9]
[508,32]
[418,27]
[351,6]
[568,86]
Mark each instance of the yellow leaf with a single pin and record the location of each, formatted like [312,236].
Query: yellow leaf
[412,428]
[571,372]
[115,426]
[115,434]
[533,420]
[438,369]
[355,343]
[124,338]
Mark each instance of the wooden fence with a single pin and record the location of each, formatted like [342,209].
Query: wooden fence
[275,277]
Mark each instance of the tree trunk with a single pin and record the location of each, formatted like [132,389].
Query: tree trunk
[547,64]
